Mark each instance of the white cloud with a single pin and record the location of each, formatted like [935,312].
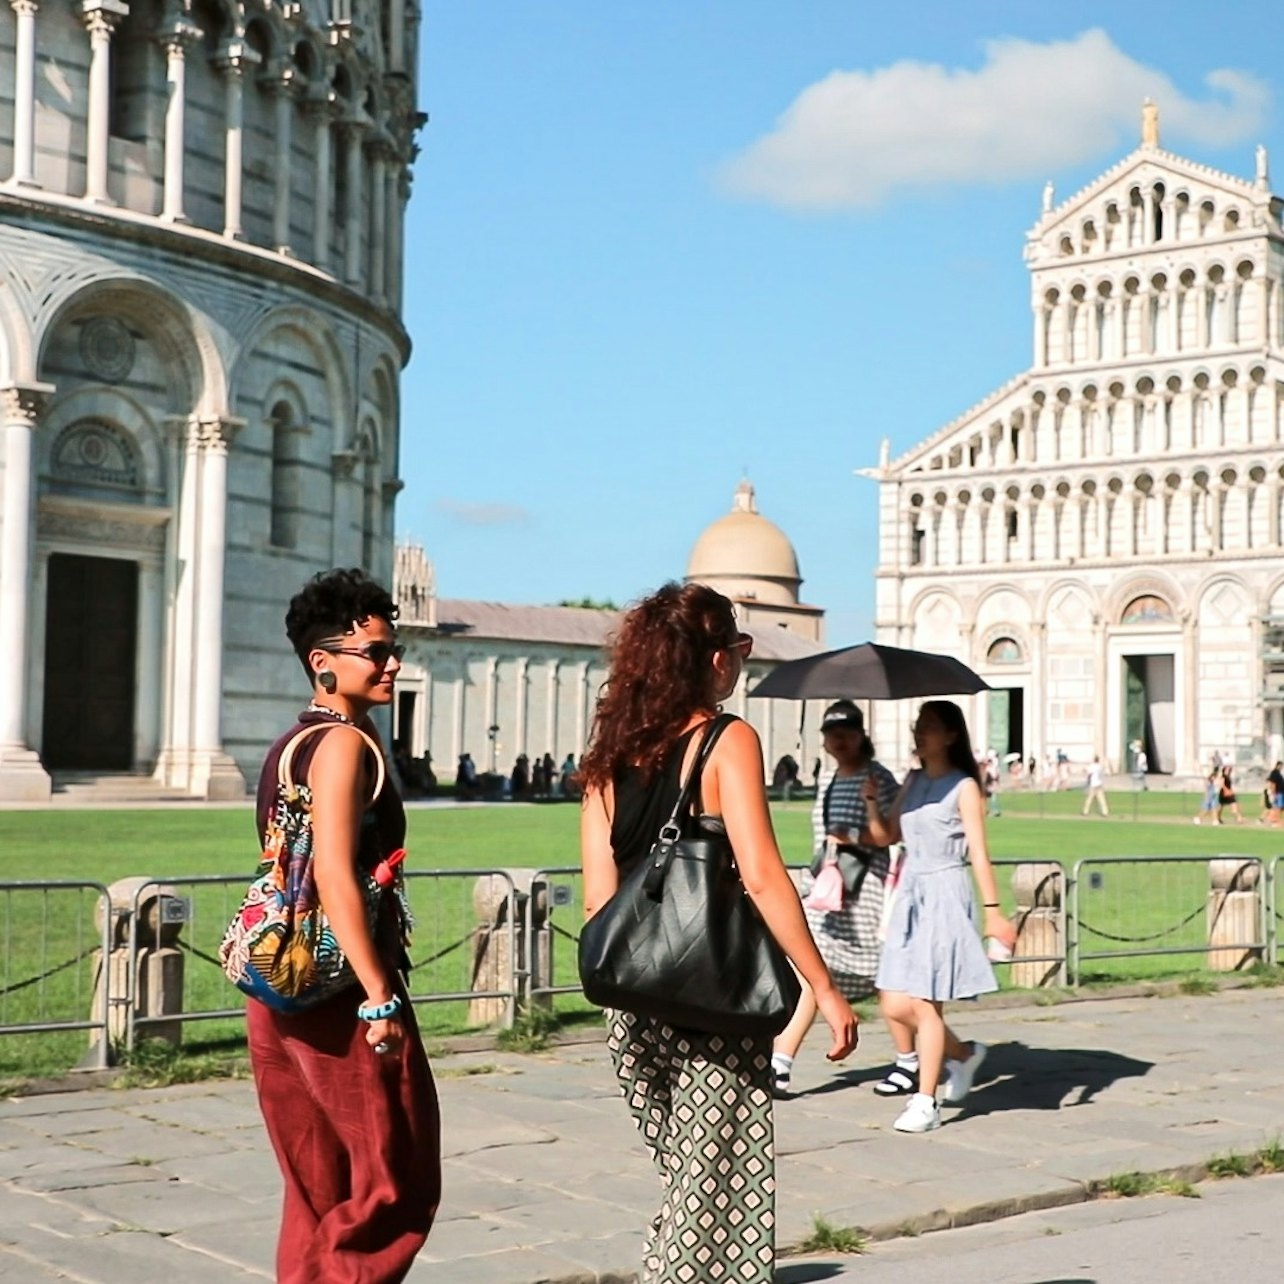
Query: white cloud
[492,514]
[853,138]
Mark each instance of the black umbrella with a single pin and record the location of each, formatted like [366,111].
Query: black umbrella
[870,671]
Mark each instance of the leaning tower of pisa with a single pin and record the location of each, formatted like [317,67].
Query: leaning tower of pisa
[201,208]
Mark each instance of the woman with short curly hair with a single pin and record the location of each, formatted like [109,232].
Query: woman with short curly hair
[702,1102]
[345,1087]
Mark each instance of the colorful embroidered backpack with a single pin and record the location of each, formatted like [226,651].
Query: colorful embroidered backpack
[279,947]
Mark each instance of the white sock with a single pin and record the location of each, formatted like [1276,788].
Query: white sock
[907,1061]
[782,1061]
[926,1098]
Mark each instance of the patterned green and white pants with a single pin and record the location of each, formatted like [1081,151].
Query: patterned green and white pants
[702,1103]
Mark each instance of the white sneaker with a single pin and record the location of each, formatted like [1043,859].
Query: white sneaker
[959,1074]
[921,1115]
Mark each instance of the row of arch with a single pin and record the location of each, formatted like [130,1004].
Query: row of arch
[1146,412]
[1183,309]
[1149,608]
[1151,215]
[1151,512]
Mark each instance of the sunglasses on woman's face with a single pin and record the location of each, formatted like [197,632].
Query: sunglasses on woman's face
[743,644]
[378,653]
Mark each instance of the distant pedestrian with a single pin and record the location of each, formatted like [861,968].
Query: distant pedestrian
[702,1102]
[1096,789]
[1208,809]
[1226,796]
[992,775]
[1275,792]
[344,1086]
[933,951]
[1140,768]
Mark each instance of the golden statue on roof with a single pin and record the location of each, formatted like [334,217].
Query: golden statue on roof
[1149,123]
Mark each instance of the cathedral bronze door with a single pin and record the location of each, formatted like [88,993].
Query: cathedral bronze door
[91,629]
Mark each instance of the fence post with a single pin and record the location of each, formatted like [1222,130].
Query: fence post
[1234,913]
[1073,971]
[1037,887]
[143,972]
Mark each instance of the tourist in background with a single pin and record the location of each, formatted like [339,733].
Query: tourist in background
[933,951]
[1208,809]
[1096,789]
[345,1088]
[1226,796]
[848,937]
[702,1103]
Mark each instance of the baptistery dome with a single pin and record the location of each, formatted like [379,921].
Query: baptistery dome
[744,555]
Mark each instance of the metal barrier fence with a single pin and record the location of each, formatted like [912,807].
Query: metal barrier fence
[188,916]
[1164,906]
[51,963]
[71,961]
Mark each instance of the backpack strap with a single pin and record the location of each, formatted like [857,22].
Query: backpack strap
[284,776]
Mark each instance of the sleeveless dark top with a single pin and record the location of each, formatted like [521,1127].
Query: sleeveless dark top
[642,806]
[383,824]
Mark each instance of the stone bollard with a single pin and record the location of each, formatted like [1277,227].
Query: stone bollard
[1037,887]
[158,979]
[499,957]
[1234,913]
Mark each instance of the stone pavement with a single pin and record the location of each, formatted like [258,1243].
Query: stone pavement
[547,1182]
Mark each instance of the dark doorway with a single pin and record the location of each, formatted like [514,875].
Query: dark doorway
[1150,710]
[403,734]
[91,627]
[1007,721]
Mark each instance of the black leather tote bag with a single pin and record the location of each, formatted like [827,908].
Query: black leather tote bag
[681,940]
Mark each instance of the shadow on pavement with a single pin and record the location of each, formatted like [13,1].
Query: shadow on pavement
[1015,1076]
[844,1079]
[806,1272]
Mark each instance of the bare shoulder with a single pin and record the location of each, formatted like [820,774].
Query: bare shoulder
[739,740]
[969,790]
[339,758]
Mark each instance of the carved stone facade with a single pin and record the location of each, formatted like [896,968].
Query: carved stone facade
[1102,536]
[200,353]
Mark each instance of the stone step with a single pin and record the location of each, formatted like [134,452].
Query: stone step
[88,788]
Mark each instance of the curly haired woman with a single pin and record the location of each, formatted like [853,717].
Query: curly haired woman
[345,1087]
[702,1102]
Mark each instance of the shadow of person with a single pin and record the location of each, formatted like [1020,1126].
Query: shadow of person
[1015,1076]
[852,1078]
[806,1272]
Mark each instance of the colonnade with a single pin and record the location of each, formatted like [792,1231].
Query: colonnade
[1162,315]
[1181,412]
[1184,511]
[375,159]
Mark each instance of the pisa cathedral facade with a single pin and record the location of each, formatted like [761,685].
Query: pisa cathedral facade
[1101,537]
[200,354]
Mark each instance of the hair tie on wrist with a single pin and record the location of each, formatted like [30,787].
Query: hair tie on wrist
[990,905]
[379,1011]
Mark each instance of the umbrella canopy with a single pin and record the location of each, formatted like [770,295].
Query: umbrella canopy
[870,671]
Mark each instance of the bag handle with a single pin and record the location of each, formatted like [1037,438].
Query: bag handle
[285,779]
[671,830]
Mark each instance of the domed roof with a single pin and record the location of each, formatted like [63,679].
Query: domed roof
[744,545]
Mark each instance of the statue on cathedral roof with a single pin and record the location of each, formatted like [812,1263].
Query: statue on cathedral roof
[1149,123]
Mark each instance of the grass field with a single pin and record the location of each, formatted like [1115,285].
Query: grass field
[40,932]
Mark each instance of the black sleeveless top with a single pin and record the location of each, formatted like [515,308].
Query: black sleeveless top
[642,806]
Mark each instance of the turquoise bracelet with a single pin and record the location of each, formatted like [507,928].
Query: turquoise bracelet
[379,1011]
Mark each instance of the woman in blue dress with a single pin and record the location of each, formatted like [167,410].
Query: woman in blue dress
[932,950]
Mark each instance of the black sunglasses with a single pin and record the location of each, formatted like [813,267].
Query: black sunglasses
[378,653]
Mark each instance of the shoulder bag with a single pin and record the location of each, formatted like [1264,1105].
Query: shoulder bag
[681,941]
[279,947]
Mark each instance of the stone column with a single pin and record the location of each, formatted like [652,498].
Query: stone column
[176,40]
[582,706]
[1101,674]
[24,92]
[352,133]
[22,778]
[1040,333]
[235,58]
[214,774]
[522,684]
[397,36]
[378,220]
[101,17]
[492,737]
[282,88]
[551,745]
[1190,688]
[394,210]
[321,112]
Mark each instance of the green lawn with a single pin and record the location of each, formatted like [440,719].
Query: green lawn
[43,932]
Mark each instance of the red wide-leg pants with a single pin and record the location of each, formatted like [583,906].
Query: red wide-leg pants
[358,1138]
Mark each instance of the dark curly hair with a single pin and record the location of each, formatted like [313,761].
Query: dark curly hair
[330,604]
[660,675]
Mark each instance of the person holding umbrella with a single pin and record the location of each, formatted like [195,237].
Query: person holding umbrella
[845,927]
[932,951]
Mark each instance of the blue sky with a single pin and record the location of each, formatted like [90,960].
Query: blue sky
[654,246]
